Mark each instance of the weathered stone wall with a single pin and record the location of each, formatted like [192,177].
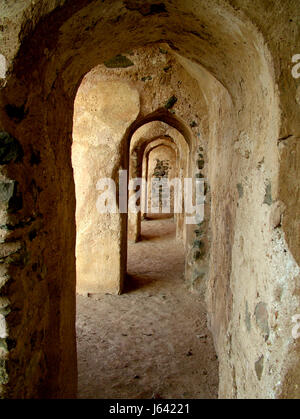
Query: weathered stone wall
[251,130]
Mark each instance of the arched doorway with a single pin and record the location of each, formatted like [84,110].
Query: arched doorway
[221,46]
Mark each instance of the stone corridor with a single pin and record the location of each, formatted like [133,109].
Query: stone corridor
[91,94]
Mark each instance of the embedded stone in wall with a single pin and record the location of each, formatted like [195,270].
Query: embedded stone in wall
[3,68]
[10,148]
[3,329]
[6,191]
[240,190]
[10,248]
[261,317]
[248,318]
[200,164]
[171,102]
[268,195]
[10,196]
[259,367]
[119,61]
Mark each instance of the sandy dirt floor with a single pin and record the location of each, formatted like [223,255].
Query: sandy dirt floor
[152,341]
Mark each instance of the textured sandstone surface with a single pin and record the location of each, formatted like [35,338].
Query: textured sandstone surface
[235,57]
[103,112]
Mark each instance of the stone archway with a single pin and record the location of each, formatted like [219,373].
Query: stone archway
[139,168]
[141,140]
[171,157]
[250,144]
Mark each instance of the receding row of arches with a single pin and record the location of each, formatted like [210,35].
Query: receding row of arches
[231,65]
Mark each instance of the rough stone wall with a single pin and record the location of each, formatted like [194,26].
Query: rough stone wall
[253,114]
[38,258]
[251,313]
